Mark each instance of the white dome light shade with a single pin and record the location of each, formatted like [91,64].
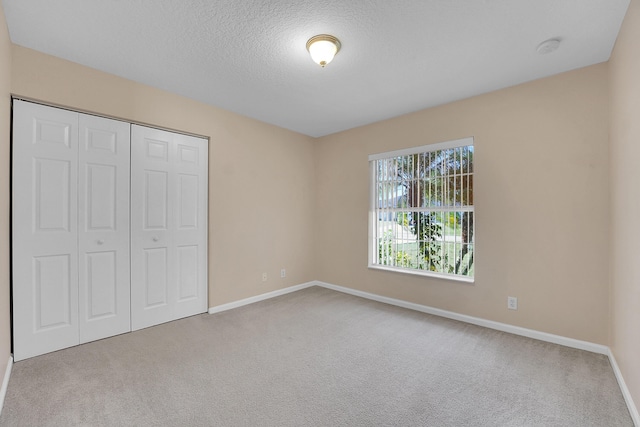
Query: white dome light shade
[323,48]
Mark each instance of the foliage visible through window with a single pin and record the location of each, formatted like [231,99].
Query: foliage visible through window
[422,209]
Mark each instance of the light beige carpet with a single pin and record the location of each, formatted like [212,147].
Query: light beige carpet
[315,357]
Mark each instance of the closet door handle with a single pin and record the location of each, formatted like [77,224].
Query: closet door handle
[155,238]
[100,242]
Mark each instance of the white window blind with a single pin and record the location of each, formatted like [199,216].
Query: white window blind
[422,214]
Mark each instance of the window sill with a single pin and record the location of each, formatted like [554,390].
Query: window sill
[424,273]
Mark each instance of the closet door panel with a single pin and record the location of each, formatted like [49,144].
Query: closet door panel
[44,229]
[169,226]
[52,294]
[155,278]
[191,187]
[151,219]
[101,287]
[103,236]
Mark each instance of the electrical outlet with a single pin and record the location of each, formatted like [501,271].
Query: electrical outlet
[512,303]
[264,277]
[283,273]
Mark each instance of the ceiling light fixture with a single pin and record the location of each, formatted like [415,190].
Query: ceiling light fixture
[323,48]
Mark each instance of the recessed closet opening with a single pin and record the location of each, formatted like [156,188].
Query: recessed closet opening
[109,229]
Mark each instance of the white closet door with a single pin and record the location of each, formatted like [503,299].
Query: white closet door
[168,226]
[103,228]
[45,237]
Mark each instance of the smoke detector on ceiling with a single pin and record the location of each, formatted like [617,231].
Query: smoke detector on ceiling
[548,46]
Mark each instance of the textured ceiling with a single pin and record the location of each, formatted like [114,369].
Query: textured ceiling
[249,56]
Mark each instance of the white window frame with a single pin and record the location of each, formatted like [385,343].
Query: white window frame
[374,211]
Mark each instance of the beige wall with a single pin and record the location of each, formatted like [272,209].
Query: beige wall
[625,200]
[261,177]
[541,193]
[5,126]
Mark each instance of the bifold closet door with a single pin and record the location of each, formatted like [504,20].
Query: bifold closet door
[103,228]
[45,229]
[70,228]
[168,226]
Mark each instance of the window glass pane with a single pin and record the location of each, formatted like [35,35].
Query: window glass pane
[424,219]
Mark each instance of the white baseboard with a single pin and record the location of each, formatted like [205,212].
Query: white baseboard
[516,330]
[262,297]
[633,410]
[5,382]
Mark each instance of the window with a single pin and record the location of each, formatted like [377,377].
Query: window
[422,218]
